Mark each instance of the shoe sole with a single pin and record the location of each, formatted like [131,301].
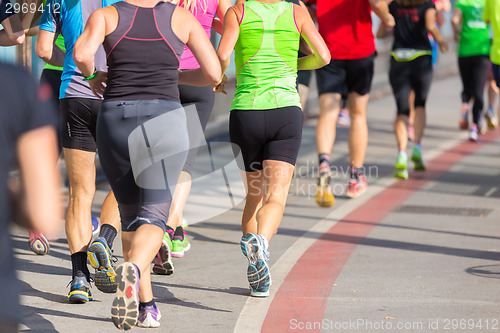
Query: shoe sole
[355,195]
[40,246]
[324,198]
[180,254]
[490,122]
[163,266]
[402,174]
[79,297]
[105,276]
[125,308]
[258,273]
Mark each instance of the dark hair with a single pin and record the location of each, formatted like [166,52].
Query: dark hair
[411,3]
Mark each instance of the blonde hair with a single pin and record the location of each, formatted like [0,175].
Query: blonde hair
[411,3]
[191,5]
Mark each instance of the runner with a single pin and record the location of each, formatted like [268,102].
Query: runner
[79,109]
[492,16]
[175,241]
[473,37]
[27,127]
[266,120]
[132,99]
[346,26]
[411,68]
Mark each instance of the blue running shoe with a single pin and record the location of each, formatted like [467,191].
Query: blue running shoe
[96,227]
[101,259]
[79,292]
[125,308]
[258,272]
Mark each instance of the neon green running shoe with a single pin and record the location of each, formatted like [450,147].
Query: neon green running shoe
[416,157]
[180,245]
[401,167]
[163,260]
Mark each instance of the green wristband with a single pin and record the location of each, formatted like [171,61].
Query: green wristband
[91,76]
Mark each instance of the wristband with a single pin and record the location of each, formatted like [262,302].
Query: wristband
[91,76]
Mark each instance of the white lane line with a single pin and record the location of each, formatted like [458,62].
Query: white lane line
[491,191]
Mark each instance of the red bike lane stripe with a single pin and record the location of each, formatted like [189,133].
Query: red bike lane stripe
[304,293]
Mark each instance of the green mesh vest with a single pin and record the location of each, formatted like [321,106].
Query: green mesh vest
[266,57]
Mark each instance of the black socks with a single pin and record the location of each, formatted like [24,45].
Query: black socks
[143,305]
[79,264]
[108,232]
[179,232]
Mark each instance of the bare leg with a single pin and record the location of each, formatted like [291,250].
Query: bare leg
[109,211]
[329,105]
[420,120]
[255,183]
[358,133]
[277,177]
[181,194]
[81,171]
[140,248]
[400,128]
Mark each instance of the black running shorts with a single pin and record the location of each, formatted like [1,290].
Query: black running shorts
[346,76]
[260,135]
[79,119]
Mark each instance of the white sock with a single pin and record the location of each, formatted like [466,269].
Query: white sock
[403,153]
[264,242]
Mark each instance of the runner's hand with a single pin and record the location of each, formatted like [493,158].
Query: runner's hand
[443,47]
[221,85]
[98,84]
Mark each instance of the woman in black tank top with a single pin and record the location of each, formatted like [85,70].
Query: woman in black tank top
[142,135]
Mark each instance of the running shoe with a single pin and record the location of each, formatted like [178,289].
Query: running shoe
[491,119]
[473,134]
[96,227]
[416,157]
[344,119]
[401,167]
[125,308]
[356,187]
[324,196]
[258,272]
[79,291]
[463,121]
[38,243]
[180,245]
[411,132]
[149,317]
[101,258]
[163,260]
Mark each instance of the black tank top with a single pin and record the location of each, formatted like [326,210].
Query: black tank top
[143,54]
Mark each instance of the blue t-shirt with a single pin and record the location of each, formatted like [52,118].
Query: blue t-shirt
[68,17]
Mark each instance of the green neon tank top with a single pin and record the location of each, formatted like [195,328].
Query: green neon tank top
[60,44]
[266,57]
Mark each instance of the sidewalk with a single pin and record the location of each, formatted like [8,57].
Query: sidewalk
[418,256]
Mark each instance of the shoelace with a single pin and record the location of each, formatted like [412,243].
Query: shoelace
[90,281]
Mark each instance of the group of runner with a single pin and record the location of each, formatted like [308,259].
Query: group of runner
[129,67]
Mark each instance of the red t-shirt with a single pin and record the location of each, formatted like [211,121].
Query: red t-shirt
[346,27]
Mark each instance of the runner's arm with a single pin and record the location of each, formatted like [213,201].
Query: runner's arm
[12,32]
[229,38]
[430,24]
[46,49]
[381,9]
[89,41]
[198,42]
[222,8]
[321,54]
[456,22]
